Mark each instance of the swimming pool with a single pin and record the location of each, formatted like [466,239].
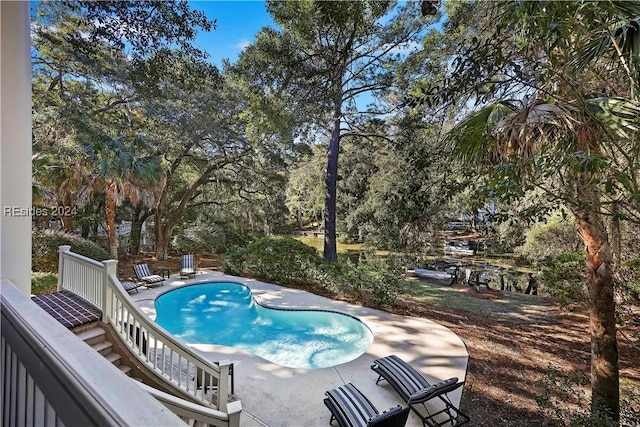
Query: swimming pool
[226,314]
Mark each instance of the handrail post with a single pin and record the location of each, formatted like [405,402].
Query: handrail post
[223,385]
[61,250]
[234,410]
[110,267]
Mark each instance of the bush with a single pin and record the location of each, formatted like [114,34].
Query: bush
[43,283]
[285,260]
[374,284]
[504,237]
[564,277]
[275,259]
[545,241]
[44,250]
[234,261]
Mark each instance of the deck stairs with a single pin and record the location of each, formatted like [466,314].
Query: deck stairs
[192,414]
[96,338]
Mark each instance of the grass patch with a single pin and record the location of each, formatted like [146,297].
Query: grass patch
[447,297]
[512,307]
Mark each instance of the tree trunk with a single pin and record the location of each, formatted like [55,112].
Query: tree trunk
[85,229]
[110,209]
[165,223]
[299,218]
[605,398]
[67,220]
[140,214]
[163,238]
[161,241]
[330,246]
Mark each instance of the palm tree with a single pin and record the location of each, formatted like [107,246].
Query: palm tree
[578,148]
[560,148]
[120,174]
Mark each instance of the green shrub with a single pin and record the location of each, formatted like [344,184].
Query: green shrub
[375,286]
[385,287]
[506,236]
[564,277]
[285,260]
[545,241]
[43,283]
[234,261]
[45,244]
[275,259]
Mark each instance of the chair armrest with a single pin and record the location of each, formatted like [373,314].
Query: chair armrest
[391,417]
[437,389]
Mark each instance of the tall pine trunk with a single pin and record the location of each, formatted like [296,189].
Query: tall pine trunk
[605,382]
[330,246]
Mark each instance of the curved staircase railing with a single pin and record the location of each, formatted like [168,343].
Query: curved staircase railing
[50,377]
[171,360]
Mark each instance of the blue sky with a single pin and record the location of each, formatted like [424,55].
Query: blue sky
[237,24]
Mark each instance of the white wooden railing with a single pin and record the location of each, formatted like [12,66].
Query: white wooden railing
[197,415]
[51,378]
[170,359]
[81,275]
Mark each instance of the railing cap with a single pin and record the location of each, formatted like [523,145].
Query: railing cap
[234,407]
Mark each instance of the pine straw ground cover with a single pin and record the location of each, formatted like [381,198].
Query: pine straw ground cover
[521,348]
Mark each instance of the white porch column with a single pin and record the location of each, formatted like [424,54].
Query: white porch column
[15,144]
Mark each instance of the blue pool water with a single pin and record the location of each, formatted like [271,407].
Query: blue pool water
[226,314]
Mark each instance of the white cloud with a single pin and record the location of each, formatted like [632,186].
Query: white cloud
[243,44]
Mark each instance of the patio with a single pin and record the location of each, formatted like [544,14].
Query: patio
[277,396]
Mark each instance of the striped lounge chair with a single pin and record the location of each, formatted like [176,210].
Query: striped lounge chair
[350,408]
[188,267]
[144,275]
[130,286]
[429,401]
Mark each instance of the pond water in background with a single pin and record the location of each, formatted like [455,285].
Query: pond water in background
[226,314]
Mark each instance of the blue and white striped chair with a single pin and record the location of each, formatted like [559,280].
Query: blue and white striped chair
[350,408]
[188,267]
[429,401]
[144,275]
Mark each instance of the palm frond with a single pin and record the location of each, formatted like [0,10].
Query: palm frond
[138,195]
[43,197]
[524,131]
[473,139]
[620,116]
[626,35]
[84,195]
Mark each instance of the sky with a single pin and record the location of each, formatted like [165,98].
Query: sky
[237,23]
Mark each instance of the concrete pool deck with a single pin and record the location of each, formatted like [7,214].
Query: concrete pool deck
[273,395]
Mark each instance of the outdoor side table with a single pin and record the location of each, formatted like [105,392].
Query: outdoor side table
[162,272]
